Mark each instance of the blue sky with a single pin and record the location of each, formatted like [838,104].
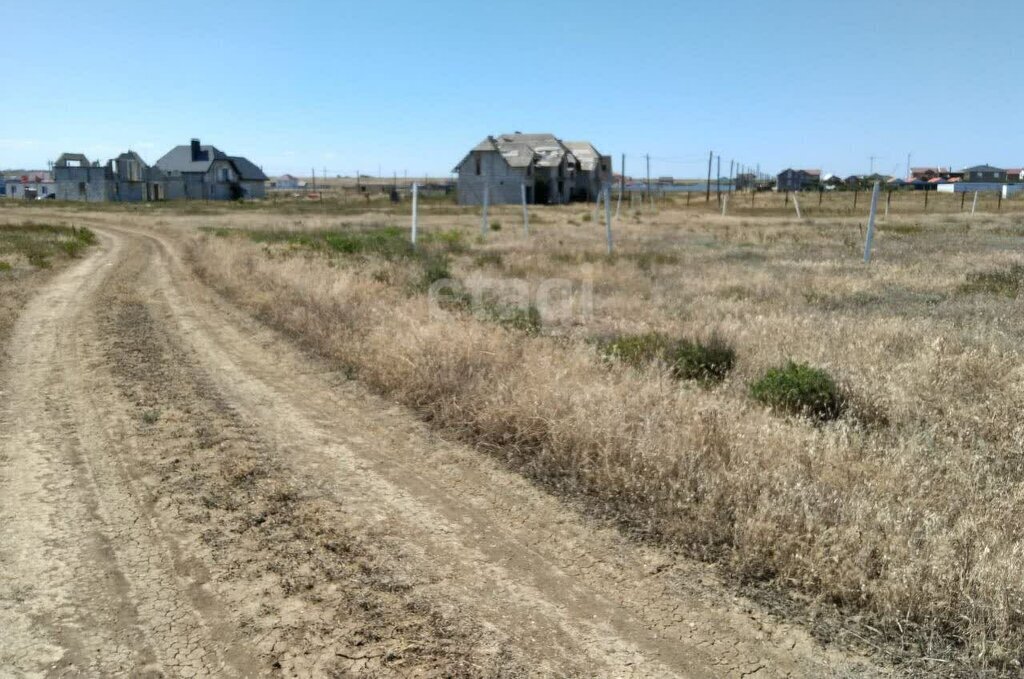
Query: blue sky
[410,86]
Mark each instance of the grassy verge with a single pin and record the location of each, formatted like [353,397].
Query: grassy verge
[26,252]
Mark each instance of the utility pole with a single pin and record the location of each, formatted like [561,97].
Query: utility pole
[732,177]
[908,167]
[872,159]
[707,192]
[312,171]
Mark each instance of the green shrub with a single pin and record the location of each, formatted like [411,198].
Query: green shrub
[4,266]
[799,389]
[435,268]
[38,259]
[495,225]
[637,350]
[708,361]
[586,217]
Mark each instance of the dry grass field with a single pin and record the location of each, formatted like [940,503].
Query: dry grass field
[901,513]
[887,521]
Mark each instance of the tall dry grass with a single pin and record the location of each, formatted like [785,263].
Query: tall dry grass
[904,513]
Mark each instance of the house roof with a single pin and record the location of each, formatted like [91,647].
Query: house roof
[812,173]
[588,156]
[31,177]
[179,159]
[543,149]
[247,169]
[984,168]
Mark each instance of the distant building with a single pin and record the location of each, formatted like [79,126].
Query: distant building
[550,170]
[1015,175]
[286,181]
[745,180]
[798,180]
[28,185]
[927,173]
[205,172]
[984,174]
[193,171]
[832,181]
[126,178]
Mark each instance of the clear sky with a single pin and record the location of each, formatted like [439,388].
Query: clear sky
[410,86]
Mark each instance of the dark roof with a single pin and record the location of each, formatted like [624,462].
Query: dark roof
[179,159]
[984,168]
[247,170]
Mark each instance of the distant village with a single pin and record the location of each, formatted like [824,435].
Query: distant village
[189,171]
[941,179]
[501,169]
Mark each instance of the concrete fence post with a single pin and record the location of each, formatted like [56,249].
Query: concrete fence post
[871,223]
[526,212]
[608,217]
[483,219]
[415,215]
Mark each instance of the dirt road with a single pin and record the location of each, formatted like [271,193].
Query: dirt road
[184,493]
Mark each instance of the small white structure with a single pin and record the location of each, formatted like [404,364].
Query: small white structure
[969,187]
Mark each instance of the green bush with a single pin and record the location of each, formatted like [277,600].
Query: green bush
[4,266]
[637,350]
[799,389]
[708,361]
[435,268]
[495,225]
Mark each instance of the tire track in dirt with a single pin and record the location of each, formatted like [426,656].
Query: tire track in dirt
[317,591]
[92,586]
[572,597]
